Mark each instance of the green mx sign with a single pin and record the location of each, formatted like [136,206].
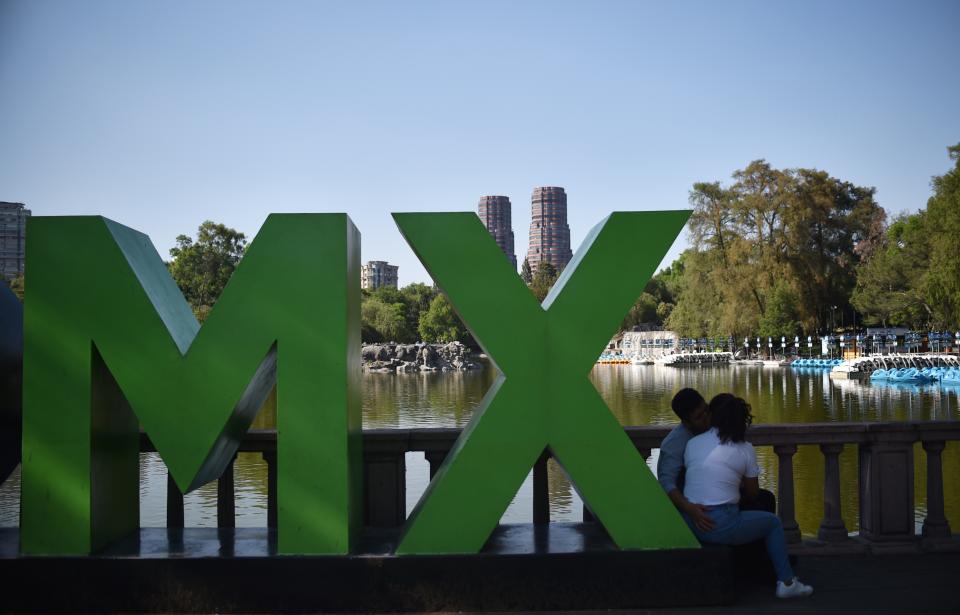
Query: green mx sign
[110,346]
[542,397]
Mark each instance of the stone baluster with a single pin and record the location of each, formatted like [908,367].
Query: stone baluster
[541,490]
[226,505]
[785,496]
[270,457]
[832,528]
[435,459]
[886,489]
[174,504]
[386,488]
[935,525]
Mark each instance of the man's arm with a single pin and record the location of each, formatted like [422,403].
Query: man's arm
[697,512]
[669,466]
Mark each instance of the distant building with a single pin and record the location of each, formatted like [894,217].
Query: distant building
[648,343]
[375,274]
[549,231]
[494,211]
[13,233]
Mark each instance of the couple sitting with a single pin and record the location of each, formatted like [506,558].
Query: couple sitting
[710,471]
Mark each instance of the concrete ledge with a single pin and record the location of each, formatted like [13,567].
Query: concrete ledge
[525,567]
[856,545]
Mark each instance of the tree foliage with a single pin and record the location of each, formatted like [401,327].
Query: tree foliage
[382,321]
[657,302]
[543,280]
[771,251]
[441,324]
[16,285]
[202,267]
[526,272]
[912,275]
[416,312]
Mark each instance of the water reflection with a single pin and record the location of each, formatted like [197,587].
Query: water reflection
[637,395]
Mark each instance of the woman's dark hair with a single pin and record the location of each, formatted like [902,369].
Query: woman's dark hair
[731,416]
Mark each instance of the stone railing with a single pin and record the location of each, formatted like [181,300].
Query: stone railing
[886,474]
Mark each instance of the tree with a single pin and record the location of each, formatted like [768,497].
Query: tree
[441,324]
[889,288]
[643,311]
[780,317]
[770,251]
[664,310]
[203,267]
[941,284]
[383,322]
[525,272]
[699,306]
[827,220]
[416,298]
[912,275]
[391,315]
[712,221]
[543,280]
[16,285]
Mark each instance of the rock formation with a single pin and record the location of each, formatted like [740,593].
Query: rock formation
[419,357]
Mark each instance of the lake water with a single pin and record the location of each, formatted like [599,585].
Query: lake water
[637,395]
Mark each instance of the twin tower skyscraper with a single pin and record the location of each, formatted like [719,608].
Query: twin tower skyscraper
[549,231]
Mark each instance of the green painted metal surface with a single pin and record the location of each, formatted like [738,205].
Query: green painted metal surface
[109,342]
[543,397]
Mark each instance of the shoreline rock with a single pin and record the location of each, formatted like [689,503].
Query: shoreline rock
[395,358]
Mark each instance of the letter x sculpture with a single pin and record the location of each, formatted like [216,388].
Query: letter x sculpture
[543,397]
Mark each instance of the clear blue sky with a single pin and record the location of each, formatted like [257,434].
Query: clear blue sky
[161,115]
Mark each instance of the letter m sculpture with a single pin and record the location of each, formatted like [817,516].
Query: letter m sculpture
[110,345]
[543,397]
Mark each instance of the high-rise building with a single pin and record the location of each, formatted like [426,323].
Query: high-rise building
[375,274]
[13,233]
[494,211]
[549,231]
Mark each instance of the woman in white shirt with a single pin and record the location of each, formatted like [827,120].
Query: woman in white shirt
[720,465]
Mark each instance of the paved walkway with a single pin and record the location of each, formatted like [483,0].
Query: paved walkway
[878,584]
[928,583]
[895,584]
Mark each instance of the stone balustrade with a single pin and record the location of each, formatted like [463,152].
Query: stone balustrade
[886,474]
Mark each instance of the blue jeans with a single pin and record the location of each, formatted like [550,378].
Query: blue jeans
[736,527]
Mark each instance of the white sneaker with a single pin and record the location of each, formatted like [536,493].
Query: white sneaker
[794,590]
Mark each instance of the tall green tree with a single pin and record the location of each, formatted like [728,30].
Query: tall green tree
[912,275]
[890,285]
[441,324]
[771,250]
[388,314]
[543,280]
[526,272]
[202,267]
[698,310]
[942,281]
[643,311]
[383,322]
[417,298]
[16,285]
